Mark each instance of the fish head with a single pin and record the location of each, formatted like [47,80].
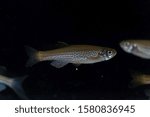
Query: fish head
[107,53]
[128,46]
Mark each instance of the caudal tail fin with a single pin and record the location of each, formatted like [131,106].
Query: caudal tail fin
[16,85]
[32,53]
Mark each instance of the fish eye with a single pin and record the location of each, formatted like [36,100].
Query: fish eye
[127,44]
[109,53]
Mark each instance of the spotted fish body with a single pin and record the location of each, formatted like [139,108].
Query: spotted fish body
[140,48]
[76,54]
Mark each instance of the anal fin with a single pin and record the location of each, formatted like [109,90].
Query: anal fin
[58,64]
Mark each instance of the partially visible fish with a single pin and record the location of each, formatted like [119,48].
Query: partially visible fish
[140,48]
[140,79]
[76,54]
[12,82]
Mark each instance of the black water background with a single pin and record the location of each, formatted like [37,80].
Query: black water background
[42,23]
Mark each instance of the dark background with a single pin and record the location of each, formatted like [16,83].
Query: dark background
[42,23]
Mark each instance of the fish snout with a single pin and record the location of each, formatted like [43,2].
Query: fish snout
[126,46]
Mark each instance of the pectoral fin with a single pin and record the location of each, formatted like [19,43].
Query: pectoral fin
[59,64]
[145,50]
[2,87]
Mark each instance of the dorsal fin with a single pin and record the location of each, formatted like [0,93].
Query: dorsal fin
[61,44]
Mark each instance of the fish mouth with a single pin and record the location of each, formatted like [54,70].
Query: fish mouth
[122,44]
[115,52]
[126,46]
